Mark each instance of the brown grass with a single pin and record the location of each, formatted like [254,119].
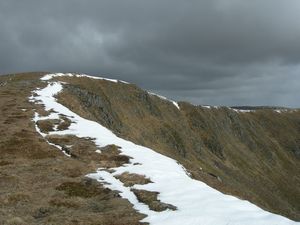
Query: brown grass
[86,189]
[130,179]
[15,221]
[18,197]
[47,125]
[65,124]
[66,203]
[150,199]
[4,163]
[31,170]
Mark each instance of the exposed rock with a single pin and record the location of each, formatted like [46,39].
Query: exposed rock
[98,104]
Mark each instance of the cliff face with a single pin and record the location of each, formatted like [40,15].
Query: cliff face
[253,155]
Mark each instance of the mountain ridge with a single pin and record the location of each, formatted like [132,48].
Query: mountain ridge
[172,132]
[144,119]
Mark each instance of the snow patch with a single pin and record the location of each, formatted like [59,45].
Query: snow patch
[242,110]
[36,118]
[209,106]
[283,110]
[50,76]
[206,106]
[166,99]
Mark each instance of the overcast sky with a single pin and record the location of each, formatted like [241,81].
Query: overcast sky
[216,52]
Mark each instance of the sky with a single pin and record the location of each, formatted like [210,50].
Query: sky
[210,52]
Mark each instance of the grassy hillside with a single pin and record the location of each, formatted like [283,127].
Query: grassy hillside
[255,155]
[39,184]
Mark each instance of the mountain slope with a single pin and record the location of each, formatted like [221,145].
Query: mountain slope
[166,177]
[39,184]
[251,155]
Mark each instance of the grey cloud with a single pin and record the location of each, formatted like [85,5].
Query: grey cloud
[223,52]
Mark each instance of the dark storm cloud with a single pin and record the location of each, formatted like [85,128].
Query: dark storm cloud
[224,52]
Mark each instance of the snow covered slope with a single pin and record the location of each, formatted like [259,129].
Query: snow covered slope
[197,203]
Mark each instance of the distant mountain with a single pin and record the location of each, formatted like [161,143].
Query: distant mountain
[77,149]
